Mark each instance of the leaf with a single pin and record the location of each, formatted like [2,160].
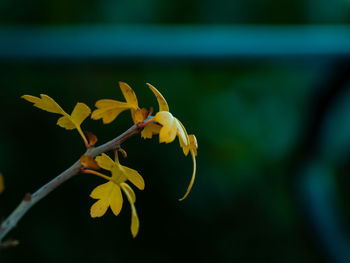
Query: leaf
[109,195]
[129,94]
[134,177]
[89,162]
[92,138]
[169,130]
[139,115]
[150,130]
[163,105]
[105,162]
[80,113]
[128,189]
[135,223]
[45,103]
[193,149]
[66,122]
[2,184]
[108,110]
[181,133]
[119,172]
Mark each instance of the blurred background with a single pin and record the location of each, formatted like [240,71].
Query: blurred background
[264,85]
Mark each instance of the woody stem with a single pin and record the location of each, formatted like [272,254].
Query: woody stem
[31,199]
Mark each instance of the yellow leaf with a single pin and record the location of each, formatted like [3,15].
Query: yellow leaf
[150,130]
[109,195]
[66,122]
[108,110]
[168,132]
[45,103]
[139,115]
[129,94]
[119,172]
[135,223]
[2,185]
[181,133]
[134,177]
[99,208]
[105,162]
[80,113]
[163,105]
[193,145]
[131,192]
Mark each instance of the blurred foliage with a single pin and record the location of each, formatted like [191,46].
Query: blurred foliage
[173,12]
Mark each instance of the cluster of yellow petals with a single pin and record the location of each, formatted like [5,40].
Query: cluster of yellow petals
[109,194]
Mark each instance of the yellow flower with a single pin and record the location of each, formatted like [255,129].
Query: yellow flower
[108,110]
[168,127]
[109,194]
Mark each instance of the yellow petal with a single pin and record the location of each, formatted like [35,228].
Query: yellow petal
[99,208]
[45,103]
[193,176]
[116,199]
[150,130]
[134,177]
[128,93]
[2,185]
[163,105]
[80,113]
[66,122]
[105,162]
[135,223]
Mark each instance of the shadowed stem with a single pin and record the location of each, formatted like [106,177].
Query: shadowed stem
[31,199]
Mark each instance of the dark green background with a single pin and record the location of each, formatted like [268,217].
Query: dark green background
[273,173]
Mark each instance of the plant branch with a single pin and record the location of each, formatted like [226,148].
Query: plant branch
[31,199]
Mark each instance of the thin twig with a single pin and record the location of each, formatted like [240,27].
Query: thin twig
[31,199]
